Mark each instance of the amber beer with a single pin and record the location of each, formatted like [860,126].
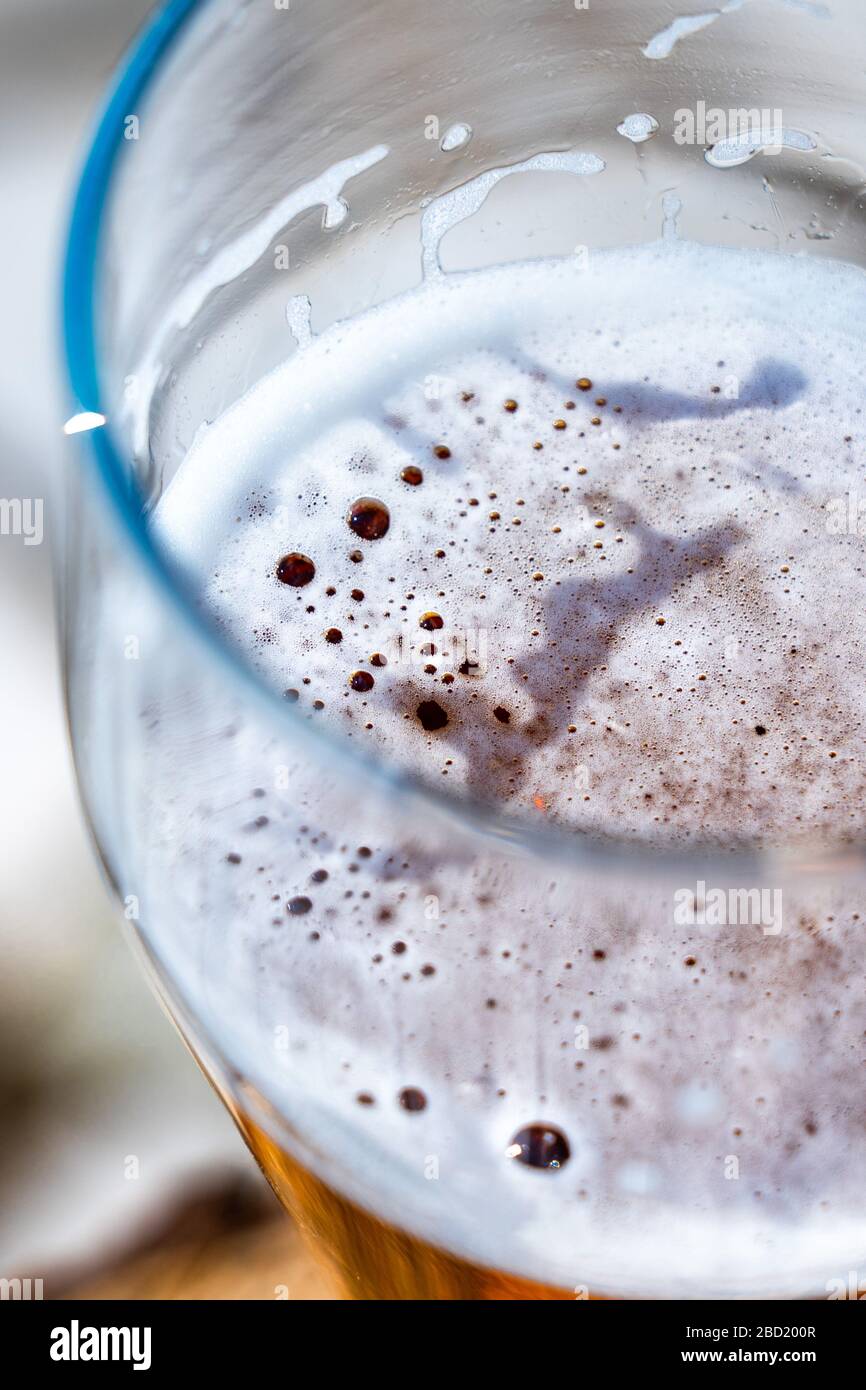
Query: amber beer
[370,1259]
[364,1258]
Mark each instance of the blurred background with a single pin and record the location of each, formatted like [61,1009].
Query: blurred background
[91,1072]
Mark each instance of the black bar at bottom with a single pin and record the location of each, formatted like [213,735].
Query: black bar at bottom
[251,1339]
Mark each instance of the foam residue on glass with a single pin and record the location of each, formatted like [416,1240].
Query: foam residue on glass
[672,206]
[448,210]
[742,147]
[299,313]
[638,127]
[325,190]
[661,45]
[455,137]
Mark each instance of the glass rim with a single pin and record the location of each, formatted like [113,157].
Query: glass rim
[580,849]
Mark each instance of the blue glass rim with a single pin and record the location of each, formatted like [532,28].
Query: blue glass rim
[578,849]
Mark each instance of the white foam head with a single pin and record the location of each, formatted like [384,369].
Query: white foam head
[654,598]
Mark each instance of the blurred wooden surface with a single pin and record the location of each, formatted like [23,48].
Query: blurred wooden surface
[230,1242]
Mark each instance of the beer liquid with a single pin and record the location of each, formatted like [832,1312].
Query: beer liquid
[581,542]
[371,1260]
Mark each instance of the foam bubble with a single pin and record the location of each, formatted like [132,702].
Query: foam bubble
[638,127]
[456,137]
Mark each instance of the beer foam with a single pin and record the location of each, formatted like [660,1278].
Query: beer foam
[438,1022]
[630,474]
[662,45]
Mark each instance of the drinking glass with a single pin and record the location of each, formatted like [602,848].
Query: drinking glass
[253,156]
